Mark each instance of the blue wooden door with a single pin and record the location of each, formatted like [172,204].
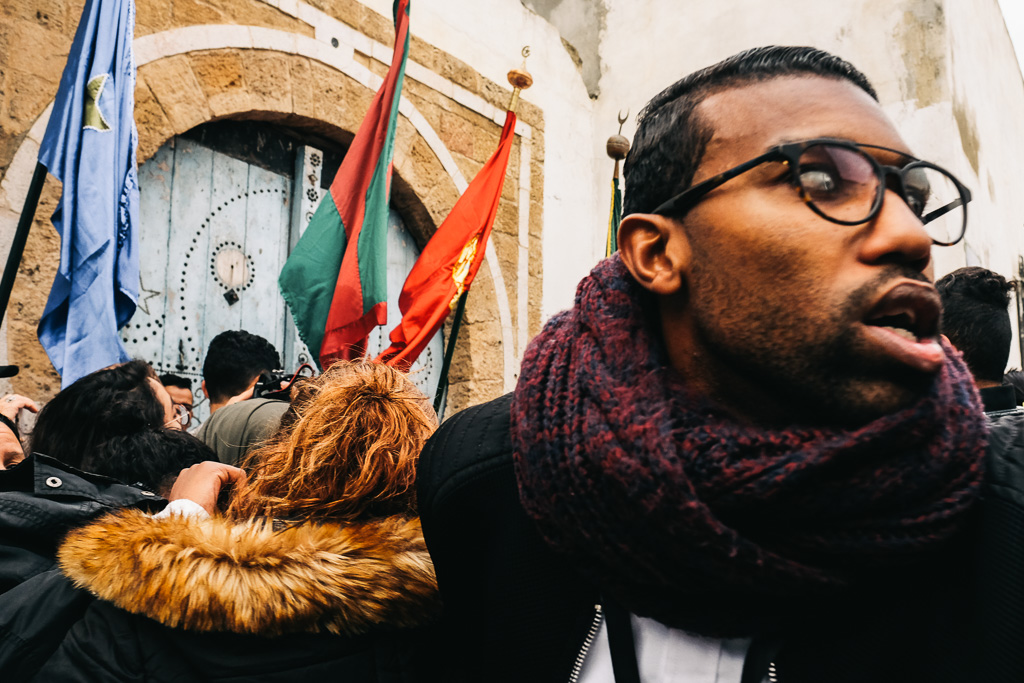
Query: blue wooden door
[215,232]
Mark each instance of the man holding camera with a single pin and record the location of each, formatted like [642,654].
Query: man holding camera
[234,364]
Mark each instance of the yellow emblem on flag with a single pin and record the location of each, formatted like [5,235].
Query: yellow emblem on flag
[461,270]
[93,115]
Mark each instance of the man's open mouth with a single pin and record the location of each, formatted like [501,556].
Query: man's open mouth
[905,322]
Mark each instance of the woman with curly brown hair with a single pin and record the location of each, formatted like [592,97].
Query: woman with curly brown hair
[316,568]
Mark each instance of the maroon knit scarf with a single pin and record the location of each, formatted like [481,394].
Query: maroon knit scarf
[681,514]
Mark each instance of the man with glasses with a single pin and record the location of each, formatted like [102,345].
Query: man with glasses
[746,453]
[180,389]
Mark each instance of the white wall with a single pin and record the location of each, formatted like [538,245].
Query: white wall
[944,70]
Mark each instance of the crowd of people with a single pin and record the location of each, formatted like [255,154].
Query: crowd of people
[747,453]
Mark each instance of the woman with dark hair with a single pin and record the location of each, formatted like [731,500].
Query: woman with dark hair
[316,569]
[112,402]
[92,447]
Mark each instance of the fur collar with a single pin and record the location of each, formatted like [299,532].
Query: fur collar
[221,575]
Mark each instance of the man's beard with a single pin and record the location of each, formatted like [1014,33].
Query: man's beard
[833,377]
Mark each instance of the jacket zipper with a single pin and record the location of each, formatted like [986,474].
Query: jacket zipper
[595,626]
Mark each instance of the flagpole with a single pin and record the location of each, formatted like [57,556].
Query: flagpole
[28,213]
[520,79]
[449,351]
[617,147]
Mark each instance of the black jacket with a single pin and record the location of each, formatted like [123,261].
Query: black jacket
[518,612]
[181,599]
[40,500]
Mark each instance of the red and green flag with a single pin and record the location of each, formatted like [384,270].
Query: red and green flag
[335,280]
[450,260]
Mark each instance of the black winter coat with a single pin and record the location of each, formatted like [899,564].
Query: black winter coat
[182,599]
[40,500]
[518,612]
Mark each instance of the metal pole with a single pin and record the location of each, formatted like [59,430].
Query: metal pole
[442,383]
[28,213]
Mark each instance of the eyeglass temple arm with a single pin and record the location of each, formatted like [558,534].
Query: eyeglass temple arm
[943,210]
[695,192]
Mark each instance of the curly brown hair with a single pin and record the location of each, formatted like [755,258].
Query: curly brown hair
[350,454]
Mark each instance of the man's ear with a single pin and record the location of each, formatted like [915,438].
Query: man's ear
[656,251]
[203,387]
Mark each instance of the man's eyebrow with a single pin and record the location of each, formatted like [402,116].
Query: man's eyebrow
[870,148]
[830,138]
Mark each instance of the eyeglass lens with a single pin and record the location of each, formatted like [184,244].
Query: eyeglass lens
[842,184]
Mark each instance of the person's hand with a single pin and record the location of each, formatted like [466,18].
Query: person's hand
[11,406]
[202,483]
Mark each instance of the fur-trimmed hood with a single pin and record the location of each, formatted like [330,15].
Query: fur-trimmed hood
[221,575]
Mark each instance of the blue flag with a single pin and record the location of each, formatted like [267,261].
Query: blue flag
[90,147]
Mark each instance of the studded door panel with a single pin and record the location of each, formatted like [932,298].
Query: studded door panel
[214,234]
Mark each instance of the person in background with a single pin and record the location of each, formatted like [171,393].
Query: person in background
[150,459]
[234,364]
[180,391]
[91,445]
[37,604]
[316,571]
[115,401]
[976,320]
[235,360]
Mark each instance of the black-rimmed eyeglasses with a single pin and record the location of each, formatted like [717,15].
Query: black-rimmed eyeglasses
[844,184]
[182,415]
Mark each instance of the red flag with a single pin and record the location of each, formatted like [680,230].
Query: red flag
[450,260]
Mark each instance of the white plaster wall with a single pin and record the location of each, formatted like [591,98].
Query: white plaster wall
[931,61]
[647,48]
[988,85]
[987,82]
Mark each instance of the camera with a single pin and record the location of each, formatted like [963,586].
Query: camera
[277,384]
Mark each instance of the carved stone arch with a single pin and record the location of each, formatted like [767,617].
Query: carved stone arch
[332,102]
[183,89]
[422,189]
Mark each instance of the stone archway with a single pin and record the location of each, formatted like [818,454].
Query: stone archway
[179,89]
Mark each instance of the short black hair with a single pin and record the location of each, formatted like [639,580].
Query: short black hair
[976,319]
[169,380]
[111,402]
[150,459]
[670,139]
[233,360]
